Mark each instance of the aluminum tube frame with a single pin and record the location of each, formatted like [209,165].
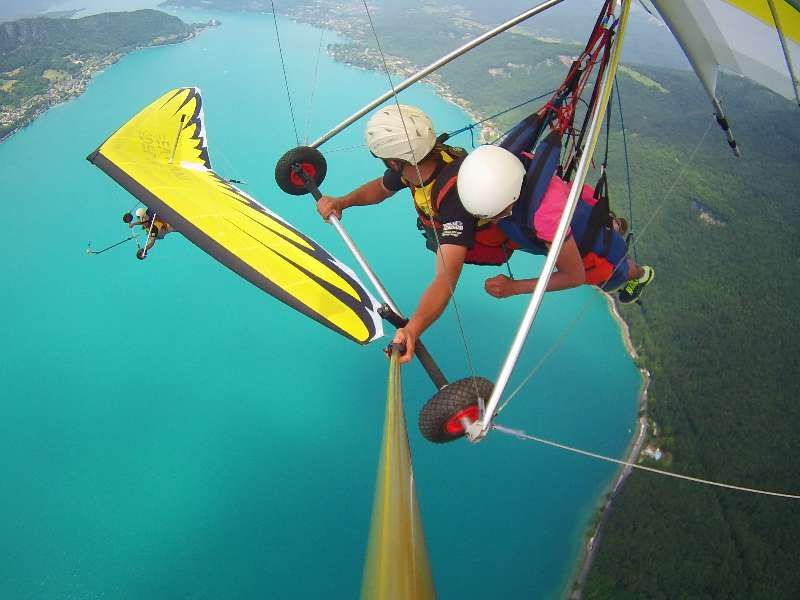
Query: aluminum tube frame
[477,431]
[722,120]
[312,188]
[364,265]
[434,66]
[421,351]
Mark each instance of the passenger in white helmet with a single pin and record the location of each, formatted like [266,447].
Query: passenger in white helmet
[492,184]
[155,227]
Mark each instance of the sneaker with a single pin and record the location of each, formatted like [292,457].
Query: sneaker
[633,289]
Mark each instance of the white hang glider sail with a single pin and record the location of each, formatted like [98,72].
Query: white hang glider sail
[759,39]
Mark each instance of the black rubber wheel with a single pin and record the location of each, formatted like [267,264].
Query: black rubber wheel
[140,254]
[440,420]
[310,160]
[127,217]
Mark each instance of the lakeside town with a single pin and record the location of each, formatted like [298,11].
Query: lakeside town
[62,86]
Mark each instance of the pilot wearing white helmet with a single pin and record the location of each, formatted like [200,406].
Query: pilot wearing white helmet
[156,228]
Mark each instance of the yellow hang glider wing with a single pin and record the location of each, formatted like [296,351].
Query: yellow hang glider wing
[160,156]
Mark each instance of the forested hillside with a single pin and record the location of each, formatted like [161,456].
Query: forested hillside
[719,331]
[29,47]
[44,61]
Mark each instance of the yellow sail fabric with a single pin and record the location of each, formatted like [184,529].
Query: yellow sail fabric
[788,15]
[740,36]
[396,566]
[160,156]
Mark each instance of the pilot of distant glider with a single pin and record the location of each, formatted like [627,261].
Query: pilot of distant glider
[155,227]
[464,206]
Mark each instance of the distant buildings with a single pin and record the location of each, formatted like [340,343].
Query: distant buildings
[653,452]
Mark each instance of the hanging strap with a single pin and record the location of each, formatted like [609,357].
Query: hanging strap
[538,174]
[599,220]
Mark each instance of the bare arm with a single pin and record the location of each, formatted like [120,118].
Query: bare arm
[449,261]
[372,192]
[570,273]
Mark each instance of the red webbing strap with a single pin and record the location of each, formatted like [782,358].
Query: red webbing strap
[580,73]
[444,190]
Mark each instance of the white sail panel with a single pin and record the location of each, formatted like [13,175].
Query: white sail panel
[739,36]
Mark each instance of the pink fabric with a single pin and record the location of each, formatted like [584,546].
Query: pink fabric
[587,195]
[546,218]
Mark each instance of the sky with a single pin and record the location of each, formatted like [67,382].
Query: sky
[15,9]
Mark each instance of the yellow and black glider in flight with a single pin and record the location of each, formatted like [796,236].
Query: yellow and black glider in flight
[160,156]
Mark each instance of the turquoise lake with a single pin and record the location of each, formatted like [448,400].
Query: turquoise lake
[169,431]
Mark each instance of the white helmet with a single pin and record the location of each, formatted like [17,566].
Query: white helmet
[141,212]
[489,181]
[404,133]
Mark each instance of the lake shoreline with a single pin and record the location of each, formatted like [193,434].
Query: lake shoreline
[595,530]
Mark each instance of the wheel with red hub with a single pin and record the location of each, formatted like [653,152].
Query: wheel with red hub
[310,160]
[444,417]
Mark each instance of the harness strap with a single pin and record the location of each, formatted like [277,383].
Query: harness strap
[539,171]
[599,219]
[445,181]
[525,134]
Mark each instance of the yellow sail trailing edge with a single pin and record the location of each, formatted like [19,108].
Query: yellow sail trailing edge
[160,156]
[397,563]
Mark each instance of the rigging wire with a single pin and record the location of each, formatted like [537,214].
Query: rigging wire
[313,89]
[283,66]
[668,193]
[346,149]
[470,363]
[526,436]
[604,164]
[627,166]
[473,125]
[548,353]
[229,167]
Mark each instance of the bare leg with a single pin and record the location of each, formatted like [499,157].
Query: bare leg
[634,270]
